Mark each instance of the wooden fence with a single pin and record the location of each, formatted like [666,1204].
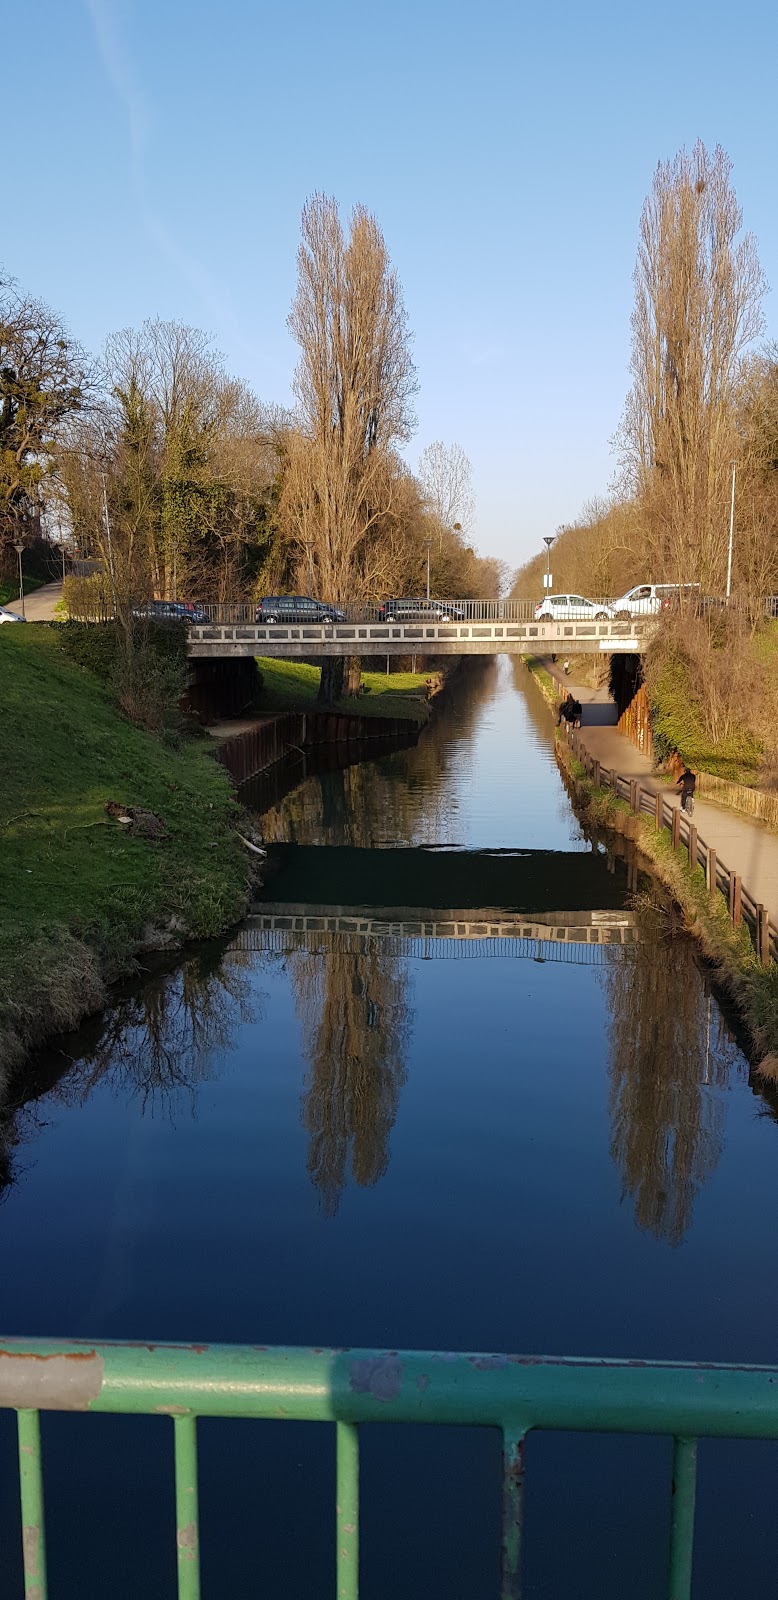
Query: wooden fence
[667,813]
[635,722]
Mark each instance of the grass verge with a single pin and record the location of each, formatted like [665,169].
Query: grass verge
[294,685]
[753,987]
[80,895]
[9,592]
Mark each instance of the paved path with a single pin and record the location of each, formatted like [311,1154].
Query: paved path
[39,606]
[743,844]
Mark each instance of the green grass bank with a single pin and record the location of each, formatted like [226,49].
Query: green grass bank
[80,893]
[294,686]
[9,591]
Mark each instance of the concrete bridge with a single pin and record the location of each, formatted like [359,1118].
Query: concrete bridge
[482,636]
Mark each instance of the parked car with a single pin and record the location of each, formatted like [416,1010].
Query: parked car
[648,599]
[419,609]
[572,608]
[10,616]
[171,611]
[296,608]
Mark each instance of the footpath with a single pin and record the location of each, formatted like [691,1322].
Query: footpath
[745,845]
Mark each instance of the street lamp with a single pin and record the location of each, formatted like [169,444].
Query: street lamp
[548,541]
[731,531]
[428,544]
[19,548]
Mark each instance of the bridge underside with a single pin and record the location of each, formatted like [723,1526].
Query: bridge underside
[428,639]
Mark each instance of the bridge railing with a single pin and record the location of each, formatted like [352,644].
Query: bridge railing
[348,1388]
[361,611]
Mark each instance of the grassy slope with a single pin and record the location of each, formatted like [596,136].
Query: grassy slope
[293,686]
[678,724]
[9,592]
[75,891]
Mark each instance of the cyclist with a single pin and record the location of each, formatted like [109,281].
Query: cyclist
[687,784]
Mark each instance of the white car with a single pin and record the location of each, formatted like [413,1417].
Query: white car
[572,608]
[648,599]
[10,616]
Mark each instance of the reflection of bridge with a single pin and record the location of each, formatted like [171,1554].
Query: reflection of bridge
[473,638]
[581,936]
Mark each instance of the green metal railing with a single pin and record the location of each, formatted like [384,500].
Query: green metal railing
[349,1387]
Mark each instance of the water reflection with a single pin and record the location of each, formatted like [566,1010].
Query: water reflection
[354,1009]
[157,1043]
[671,1056]
[407,796]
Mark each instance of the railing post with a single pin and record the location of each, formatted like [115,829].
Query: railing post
[512,1511]
[658,808]
[675,828]
[596,774]
[692,846]
[735,899]
[633,794]
[682,1520]
[31,1482]
[762,934]
[347,1510]
[187,1524]
[711,870]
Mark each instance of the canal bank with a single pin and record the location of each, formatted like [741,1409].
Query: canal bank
[723,871]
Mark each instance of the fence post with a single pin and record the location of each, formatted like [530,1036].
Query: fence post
[692,846]
[675,828]
[710,871]
[735,902]
[633,794]
[762,935]
[658,807]
[596,774]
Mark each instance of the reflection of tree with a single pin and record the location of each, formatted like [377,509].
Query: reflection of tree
[156,1042]
[353,1005]
[670,1057]
[403,795]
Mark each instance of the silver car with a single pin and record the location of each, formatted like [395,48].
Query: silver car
[10,616]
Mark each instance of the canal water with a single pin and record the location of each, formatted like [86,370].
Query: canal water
[458,1083]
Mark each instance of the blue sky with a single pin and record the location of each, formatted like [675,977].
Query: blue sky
[162,153]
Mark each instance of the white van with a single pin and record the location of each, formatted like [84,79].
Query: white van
[647,599]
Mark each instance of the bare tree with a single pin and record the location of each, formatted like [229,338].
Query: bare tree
[698,293]
[446,478]
[354,385]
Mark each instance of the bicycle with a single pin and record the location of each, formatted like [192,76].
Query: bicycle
[687,803]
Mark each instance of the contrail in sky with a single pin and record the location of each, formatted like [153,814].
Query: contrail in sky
[106,16]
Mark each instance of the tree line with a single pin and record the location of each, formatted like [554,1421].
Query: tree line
[179,482]
[704,398]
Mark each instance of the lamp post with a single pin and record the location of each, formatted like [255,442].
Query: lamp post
[731,530]
[428,544]
[548,541]
[19,548]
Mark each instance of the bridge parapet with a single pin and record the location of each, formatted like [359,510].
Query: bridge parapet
[483,637]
